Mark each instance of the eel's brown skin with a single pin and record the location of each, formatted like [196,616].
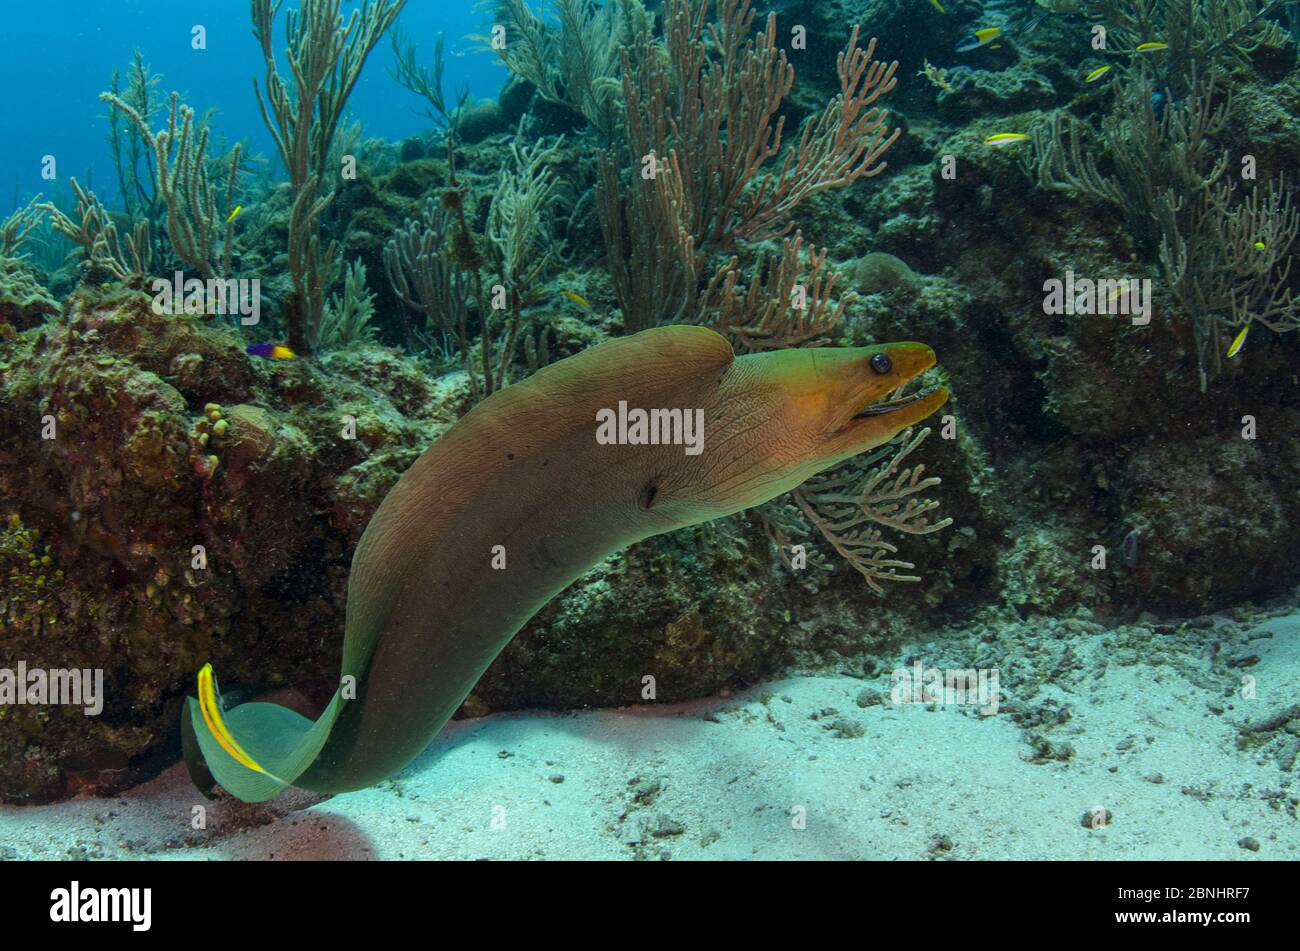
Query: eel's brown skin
[427,612]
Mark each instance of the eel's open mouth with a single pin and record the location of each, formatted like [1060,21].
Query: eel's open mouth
[895,400]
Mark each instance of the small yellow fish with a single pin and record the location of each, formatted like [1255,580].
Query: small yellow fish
[577,299]
[1001,140]
[231,216]
[1096,74]
[1238,342]
[210,705]
[938,6]
[1152,47]
[1260,246]
[979,38]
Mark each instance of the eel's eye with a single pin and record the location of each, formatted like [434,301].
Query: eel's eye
[881,363]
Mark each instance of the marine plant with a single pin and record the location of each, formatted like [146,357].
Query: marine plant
[347,316]
[853,506]
[791,302]
[103,247]
[133,152]
[426,81]
[438,267]
[1222,247]
[31,577]
[521,240]
[198,212]
[575,60]
[325,57]
[21,294]
[426,279]
[16,228]
[45,247]
[692,177]
[1198,36]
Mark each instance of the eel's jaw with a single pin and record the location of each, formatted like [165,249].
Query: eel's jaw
[898,413]
[876,414]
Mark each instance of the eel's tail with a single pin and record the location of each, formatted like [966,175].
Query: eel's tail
[255,750]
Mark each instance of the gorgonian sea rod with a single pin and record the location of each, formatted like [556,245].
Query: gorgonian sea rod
[523,475]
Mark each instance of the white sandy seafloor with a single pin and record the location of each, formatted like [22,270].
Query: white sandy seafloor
[1146,721]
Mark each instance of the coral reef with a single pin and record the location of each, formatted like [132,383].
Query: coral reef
[168,500]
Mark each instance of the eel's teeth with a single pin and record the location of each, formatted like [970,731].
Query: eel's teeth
[889,404]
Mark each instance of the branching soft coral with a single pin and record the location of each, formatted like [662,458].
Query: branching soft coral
[574,60]
[96,232]
[788,304]
[325,57]
[1223,248]
[853,505]
[198,217]
[15,229]
[703,127]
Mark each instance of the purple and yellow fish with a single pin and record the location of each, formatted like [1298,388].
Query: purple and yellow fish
[271,351]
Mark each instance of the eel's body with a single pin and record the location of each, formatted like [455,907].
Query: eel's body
[429,604]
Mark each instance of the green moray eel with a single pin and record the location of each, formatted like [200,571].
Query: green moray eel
[430,604]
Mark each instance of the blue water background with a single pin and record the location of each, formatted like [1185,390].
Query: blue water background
[56,58]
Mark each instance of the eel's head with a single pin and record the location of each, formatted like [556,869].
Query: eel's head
[775,419]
